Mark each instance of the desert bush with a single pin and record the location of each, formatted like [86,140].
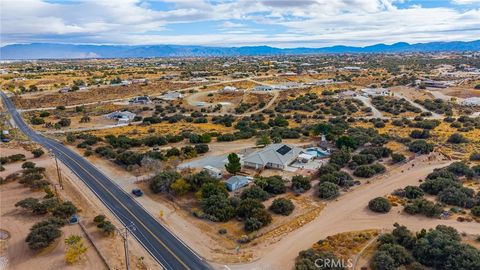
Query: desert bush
[282,206]
[379,205]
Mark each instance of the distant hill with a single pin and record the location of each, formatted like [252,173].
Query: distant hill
[62,51]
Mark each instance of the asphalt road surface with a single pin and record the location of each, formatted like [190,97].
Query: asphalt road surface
[165,247]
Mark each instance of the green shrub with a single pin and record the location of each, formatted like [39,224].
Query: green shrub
[282,206]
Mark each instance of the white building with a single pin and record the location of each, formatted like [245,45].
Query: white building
[473,101]
[262,88]
[140,100]
[171,95]
[214,172]
[229,89]
[121,116]
[276,156]
[375,92]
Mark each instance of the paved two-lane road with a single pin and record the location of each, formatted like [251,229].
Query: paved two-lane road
[165,247]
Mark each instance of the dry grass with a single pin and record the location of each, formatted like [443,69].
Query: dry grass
[345,245]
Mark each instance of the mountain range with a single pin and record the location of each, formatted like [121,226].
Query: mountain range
[70,51]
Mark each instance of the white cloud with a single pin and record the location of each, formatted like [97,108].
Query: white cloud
[466,2]
[295,23]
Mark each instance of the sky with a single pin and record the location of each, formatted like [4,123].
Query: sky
[278,23]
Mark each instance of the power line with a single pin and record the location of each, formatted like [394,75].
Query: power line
[124,234]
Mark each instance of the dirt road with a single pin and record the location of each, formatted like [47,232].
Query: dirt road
[349,213]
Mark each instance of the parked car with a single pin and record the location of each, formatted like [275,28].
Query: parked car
[137,192]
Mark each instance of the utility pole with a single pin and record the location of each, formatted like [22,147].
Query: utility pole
[124,233]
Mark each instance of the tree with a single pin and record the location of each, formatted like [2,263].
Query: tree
[263,140]
[218,208]
[214,188]
[99,218]
[65,210]
[252,224]
[233,166]
[301,183]
[383,261]
[379,205]
[457,138]
[162,181]
[282,206]
[180,187]
[38,152]
[475,211]
[346,142]
[246,207]
[201,148]
[254,192]
[107,227]
[64,122]
[421,147]
[28,165]
[413,192]
[327,190]
[197,180]
[365,171]
[42,235]
[85,119]
[37,121]
[397,158]
[340,157]
[75,249]
[273,184]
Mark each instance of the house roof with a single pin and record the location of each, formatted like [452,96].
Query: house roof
[237,178]
[278,153]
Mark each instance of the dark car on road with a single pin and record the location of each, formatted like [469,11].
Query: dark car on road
[137,192]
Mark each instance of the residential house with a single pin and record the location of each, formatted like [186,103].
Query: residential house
[375,92]
[276,156]
[347,94]
[262,88]
[229,89]
[171,95]
[121,116]
[140,100]
[431,83]
[473,101]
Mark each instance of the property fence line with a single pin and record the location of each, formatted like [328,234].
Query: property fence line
[94,245]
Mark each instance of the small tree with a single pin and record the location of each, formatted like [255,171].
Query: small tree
[28,165]
[42,235]
[379,205]
[99,218]
[65,210]
[397,158]
[301,183]
[282,206]
[180,187]
[233,166]
[457,138]
[75,249]
[327,190]
[263,140]
[37,152]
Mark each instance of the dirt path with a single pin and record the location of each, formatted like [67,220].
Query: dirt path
[349,213]
[434,114]
[366,101]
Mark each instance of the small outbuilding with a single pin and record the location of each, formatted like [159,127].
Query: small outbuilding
[237,181]
[214,172]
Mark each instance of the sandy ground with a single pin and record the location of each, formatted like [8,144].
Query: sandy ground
[89,206]
[349,213]
[18,223]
